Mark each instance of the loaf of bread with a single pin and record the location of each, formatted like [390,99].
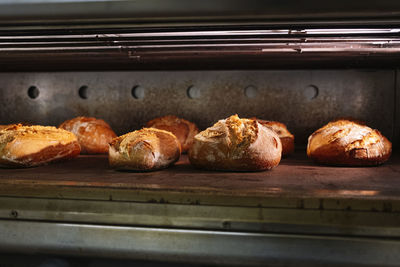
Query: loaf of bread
[348,143]
[184,130]
[28,146]
[147,149]
[236,144]
[94,135]
[287,138]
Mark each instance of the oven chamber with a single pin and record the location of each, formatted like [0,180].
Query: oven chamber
[128,62]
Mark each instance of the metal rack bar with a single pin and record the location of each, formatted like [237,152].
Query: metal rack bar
[181,245]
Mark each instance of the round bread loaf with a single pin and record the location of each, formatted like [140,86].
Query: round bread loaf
[147,149]
[94,135]
[236,144]
[28,146]
[287,138]
[183,130]
[348,143]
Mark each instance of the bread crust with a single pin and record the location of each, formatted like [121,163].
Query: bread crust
[29,146]
[147,149]
[183,130]
[4,126]
[236,144]
[94,135]
[346,142]
[287,138]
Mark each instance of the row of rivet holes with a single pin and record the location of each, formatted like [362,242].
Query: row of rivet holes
[193,92]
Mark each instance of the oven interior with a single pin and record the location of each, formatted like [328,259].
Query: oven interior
[301,66]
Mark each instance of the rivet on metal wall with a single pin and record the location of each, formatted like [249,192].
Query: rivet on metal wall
[311,92]
[193,92]
[83,92]
[138,92]
[33,92]
[251,91]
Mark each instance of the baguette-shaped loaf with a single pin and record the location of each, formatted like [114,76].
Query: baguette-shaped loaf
[147,149]
[348,143]
[94,135]
[287,138]
[29,146]
[236,144]
[183,130]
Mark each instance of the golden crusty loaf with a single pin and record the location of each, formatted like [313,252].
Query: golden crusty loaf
[236,144]
[144,150]
[93,134]
[287,138]
[184,130]
[349,143]
[28,146]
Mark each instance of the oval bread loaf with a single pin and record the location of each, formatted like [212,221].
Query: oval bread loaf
[348,143]
[94,135]
[287,138]
[144,150]
[29,146]
[183,130]
[236,144]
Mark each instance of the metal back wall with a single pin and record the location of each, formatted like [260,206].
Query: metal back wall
[304,100]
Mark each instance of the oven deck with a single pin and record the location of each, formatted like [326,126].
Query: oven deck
[296,178]
[83,207]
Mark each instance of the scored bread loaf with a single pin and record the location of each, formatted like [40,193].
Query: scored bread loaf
[236,144]
[144,150]
[94,135]
[183,130]
[28,146]
[348,143]
[287,138]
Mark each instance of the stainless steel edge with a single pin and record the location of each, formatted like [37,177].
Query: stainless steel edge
[278,220]
[198,48]
[107,24]
[211,247]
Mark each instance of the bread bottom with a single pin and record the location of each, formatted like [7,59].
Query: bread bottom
[45,156]
[356,157]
